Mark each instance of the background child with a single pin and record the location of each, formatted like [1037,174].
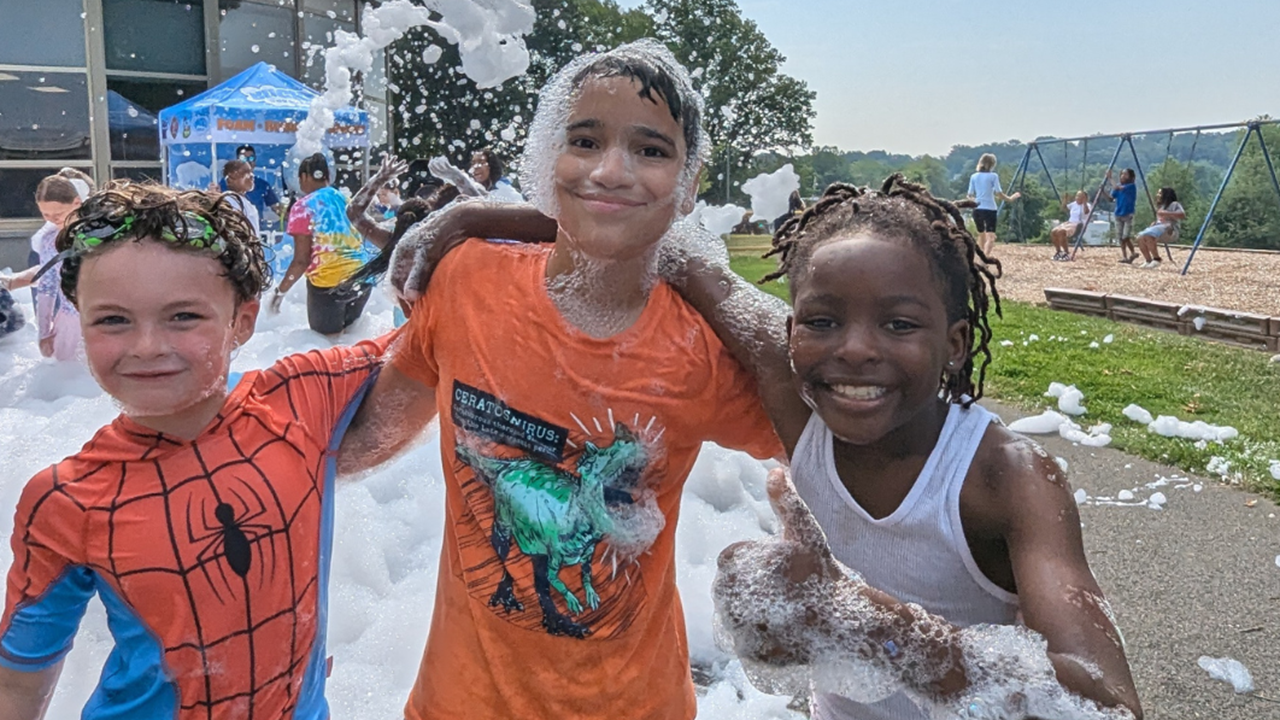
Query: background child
[58,196]
[984,186]
[326,250]
[917,488]
[1063,233]
[1165,229]
[1126,196]
[238,178]
[200,517]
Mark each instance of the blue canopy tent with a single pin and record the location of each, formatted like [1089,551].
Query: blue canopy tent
[260,106]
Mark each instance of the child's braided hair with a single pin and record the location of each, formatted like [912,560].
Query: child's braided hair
[192,221]
[903,210]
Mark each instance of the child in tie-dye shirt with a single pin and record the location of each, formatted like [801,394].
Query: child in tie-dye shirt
[327,250]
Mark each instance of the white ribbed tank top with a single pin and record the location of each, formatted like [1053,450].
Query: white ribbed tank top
[917,554]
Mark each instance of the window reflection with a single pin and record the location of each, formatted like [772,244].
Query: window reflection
[18,190]
[132,109]
[131,29]
[44,116]
[251,33]
[317,34]
[53,35]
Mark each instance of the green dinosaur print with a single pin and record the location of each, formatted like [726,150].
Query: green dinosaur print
[556,518]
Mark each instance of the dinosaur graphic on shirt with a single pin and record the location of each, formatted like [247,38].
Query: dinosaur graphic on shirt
[557,518]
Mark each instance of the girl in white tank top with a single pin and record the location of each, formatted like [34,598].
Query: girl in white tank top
[917,489]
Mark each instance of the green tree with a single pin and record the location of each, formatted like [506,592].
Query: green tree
[752,108]
[930,172]
[439,111]
[1248,215]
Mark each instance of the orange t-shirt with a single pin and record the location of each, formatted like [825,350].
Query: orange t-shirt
[560,451]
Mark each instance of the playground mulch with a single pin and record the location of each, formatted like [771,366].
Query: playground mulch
[1244,281]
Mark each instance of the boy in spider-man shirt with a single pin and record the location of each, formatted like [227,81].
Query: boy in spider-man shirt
[202,517]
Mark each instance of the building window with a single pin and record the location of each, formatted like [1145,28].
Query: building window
[317,35]
[18,189]
[249,33]
[44,116]
[132,30]
[132,109]
[51,35]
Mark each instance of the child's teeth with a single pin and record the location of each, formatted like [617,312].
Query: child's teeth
[859,392]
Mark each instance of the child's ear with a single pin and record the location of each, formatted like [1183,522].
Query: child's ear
[957,345]
[245,320]
[691,192]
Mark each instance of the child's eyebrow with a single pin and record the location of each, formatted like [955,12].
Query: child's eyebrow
[588,124]
[654,135]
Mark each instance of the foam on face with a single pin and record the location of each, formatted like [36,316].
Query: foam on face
[546,139]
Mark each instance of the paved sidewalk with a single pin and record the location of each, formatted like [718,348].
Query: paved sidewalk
[1198,577]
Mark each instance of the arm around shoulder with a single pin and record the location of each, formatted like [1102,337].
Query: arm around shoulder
[394,412]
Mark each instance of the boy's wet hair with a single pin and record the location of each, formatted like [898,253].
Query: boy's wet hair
[652,78]
[191,221]
[902,210]
[648,63]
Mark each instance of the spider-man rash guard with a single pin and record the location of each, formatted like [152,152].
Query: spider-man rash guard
[211,556]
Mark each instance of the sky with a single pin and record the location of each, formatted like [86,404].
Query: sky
[919,76]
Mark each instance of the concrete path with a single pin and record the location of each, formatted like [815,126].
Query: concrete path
[1198,577]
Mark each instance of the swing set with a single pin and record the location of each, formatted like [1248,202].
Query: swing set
[1019,179]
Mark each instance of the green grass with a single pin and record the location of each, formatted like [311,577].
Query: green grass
[1162,372]
[1165,373]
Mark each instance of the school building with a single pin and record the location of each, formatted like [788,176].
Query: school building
[81,82]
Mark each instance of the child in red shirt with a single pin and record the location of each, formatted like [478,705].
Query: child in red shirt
[202,518]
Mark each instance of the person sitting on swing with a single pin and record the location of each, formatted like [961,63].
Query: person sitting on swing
[1169,217]
[1063,233]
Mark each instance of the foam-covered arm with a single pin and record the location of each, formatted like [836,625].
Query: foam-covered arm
[751,323]
[467,185]
[26,695]
[424,245]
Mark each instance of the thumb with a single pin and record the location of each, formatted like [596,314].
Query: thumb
[798,523]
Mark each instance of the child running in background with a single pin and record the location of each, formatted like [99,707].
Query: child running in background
[201,517]
[58,196]
[1063,233]
[1168,224]
[919,490]
[984,187]
[1126,197]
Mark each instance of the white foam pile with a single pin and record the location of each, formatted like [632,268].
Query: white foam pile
[1228,670]
[1070,400]
[770,192]
[1170,426]
[489,36]
[388,532]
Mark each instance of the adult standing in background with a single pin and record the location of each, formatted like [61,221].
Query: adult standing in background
[984,186]
[262,195]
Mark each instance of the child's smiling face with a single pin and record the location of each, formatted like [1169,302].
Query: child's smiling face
[616,180]
[159,328]
[870,338]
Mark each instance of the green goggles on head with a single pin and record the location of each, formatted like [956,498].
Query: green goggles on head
[193,231]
